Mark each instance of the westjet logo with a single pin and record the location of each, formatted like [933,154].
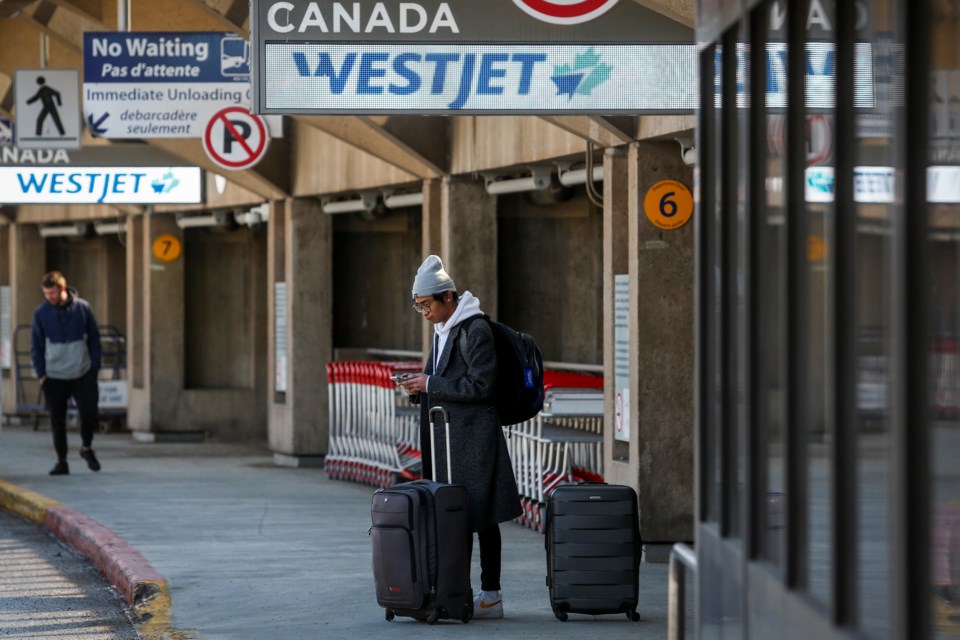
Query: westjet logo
[77,182]
[405,73]
[100,185]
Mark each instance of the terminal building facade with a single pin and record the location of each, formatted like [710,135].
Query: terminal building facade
[827,320]
[789,354]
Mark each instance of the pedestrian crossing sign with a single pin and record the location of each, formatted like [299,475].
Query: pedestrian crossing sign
[47,108]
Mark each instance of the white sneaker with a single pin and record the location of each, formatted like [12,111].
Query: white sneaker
[487,604]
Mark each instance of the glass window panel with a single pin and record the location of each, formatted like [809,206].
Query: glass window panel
[741,324]
[713,285]
[772,249]
[731,283]
[877,158]
[943,195]
[819,264]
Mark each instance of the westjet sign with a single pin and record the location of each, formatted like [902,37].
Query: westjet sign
[357,78]
[100,185]
[467,56]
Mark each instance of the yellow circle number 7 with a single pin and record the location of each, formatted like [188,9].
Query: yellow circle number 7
[166,247]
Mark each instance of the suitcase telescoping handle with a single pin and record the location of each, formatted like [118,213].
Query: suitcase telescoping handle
[433,446]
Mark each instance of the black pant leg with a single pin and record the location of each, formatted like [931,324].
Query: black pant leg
[56,393]
[490,558]
[87,395]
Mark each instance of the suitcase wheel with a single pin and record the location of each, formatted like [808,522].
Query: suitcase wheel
[433,617]
[561,615]
[388,614]
[633,615]
[467,615]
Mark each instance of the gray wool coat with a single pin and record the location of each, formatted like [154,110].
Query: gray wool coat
[463,385]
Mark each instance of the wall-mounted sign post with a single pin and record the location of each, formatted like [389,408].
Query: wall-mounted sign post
[465,56]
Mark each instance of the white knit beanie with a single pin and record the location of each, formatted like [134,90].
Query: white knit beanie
[431,278]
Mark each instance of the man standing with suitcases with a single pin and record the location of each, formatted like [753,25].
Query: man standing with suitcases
[65,348]
[461,376]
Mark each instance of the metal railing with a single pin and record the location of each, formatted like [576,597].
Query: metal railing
[682,559]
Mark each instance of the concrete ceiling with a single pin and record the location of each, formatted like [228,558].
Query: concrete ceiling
[10,8]
[418,145]
[683,11]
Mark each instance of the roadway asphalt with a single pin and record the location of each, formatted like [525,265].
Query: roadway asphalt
[48,591]
[249,549]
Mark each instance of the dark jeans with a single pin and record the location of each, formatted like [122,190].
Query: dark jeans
[86,394]
[490,558]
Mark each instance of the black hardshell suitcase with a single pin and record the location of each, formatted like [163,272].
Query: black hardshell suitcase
[421,547]
[593,549]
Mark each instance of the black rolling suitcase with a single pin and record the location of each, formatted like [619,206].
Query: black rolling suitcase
[593,549]
[421,547]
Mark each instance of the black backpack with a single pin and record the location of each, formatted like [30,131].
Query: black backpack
[519,393]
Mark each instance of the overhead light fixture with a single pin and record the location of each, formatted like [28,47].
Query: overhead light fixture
[400,200]
[218,219]
[103,228]
[540,179]
[579,176]
[60,231]
[366,202]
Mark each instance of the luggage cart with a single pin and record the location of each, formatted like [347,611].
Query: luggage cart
[374,432]
[25,380]
[113,373]
[373,437]
[562,444]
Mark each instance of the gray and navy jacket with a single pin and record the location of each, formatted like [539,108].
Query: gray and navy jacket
[65,341]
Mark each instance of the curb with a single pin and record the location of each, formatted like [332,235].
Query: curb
[138,582]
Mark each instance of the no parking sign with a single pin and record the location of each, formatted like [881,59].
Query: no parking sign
[235,139]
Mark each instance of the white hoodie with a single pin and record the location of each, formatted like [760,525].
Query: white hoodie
[468,307]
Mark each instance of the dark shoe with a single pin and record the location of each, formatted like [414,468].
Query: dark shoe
[87,454]
[60,469]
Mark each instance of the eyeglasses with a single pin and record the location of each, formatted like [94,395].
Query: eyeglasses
[420,307]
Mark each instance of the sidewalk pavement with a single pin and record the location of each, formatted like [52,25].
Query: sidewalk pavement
[247,549]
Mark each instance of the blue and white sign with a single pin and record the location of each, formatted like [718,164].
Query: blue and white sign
[6,132]
[113,394]
[943,185]
[820,78]
[877,185]
[477,78]
[161,85]
[100,185]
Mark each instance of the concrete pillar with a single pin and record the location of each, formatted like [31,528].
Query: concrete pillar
[136,270]
[154,411]
[299,426]
[27,264]
[661,337]
[432,216]
[469,239]
[460,225]
[617,458]
[432,227]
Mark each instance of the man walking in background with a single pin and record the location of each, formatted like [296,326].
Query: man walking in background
[65,346]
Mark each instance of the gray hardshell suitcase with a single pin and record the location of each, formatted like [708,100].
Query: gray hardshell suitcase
[593,549]
[421,546]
